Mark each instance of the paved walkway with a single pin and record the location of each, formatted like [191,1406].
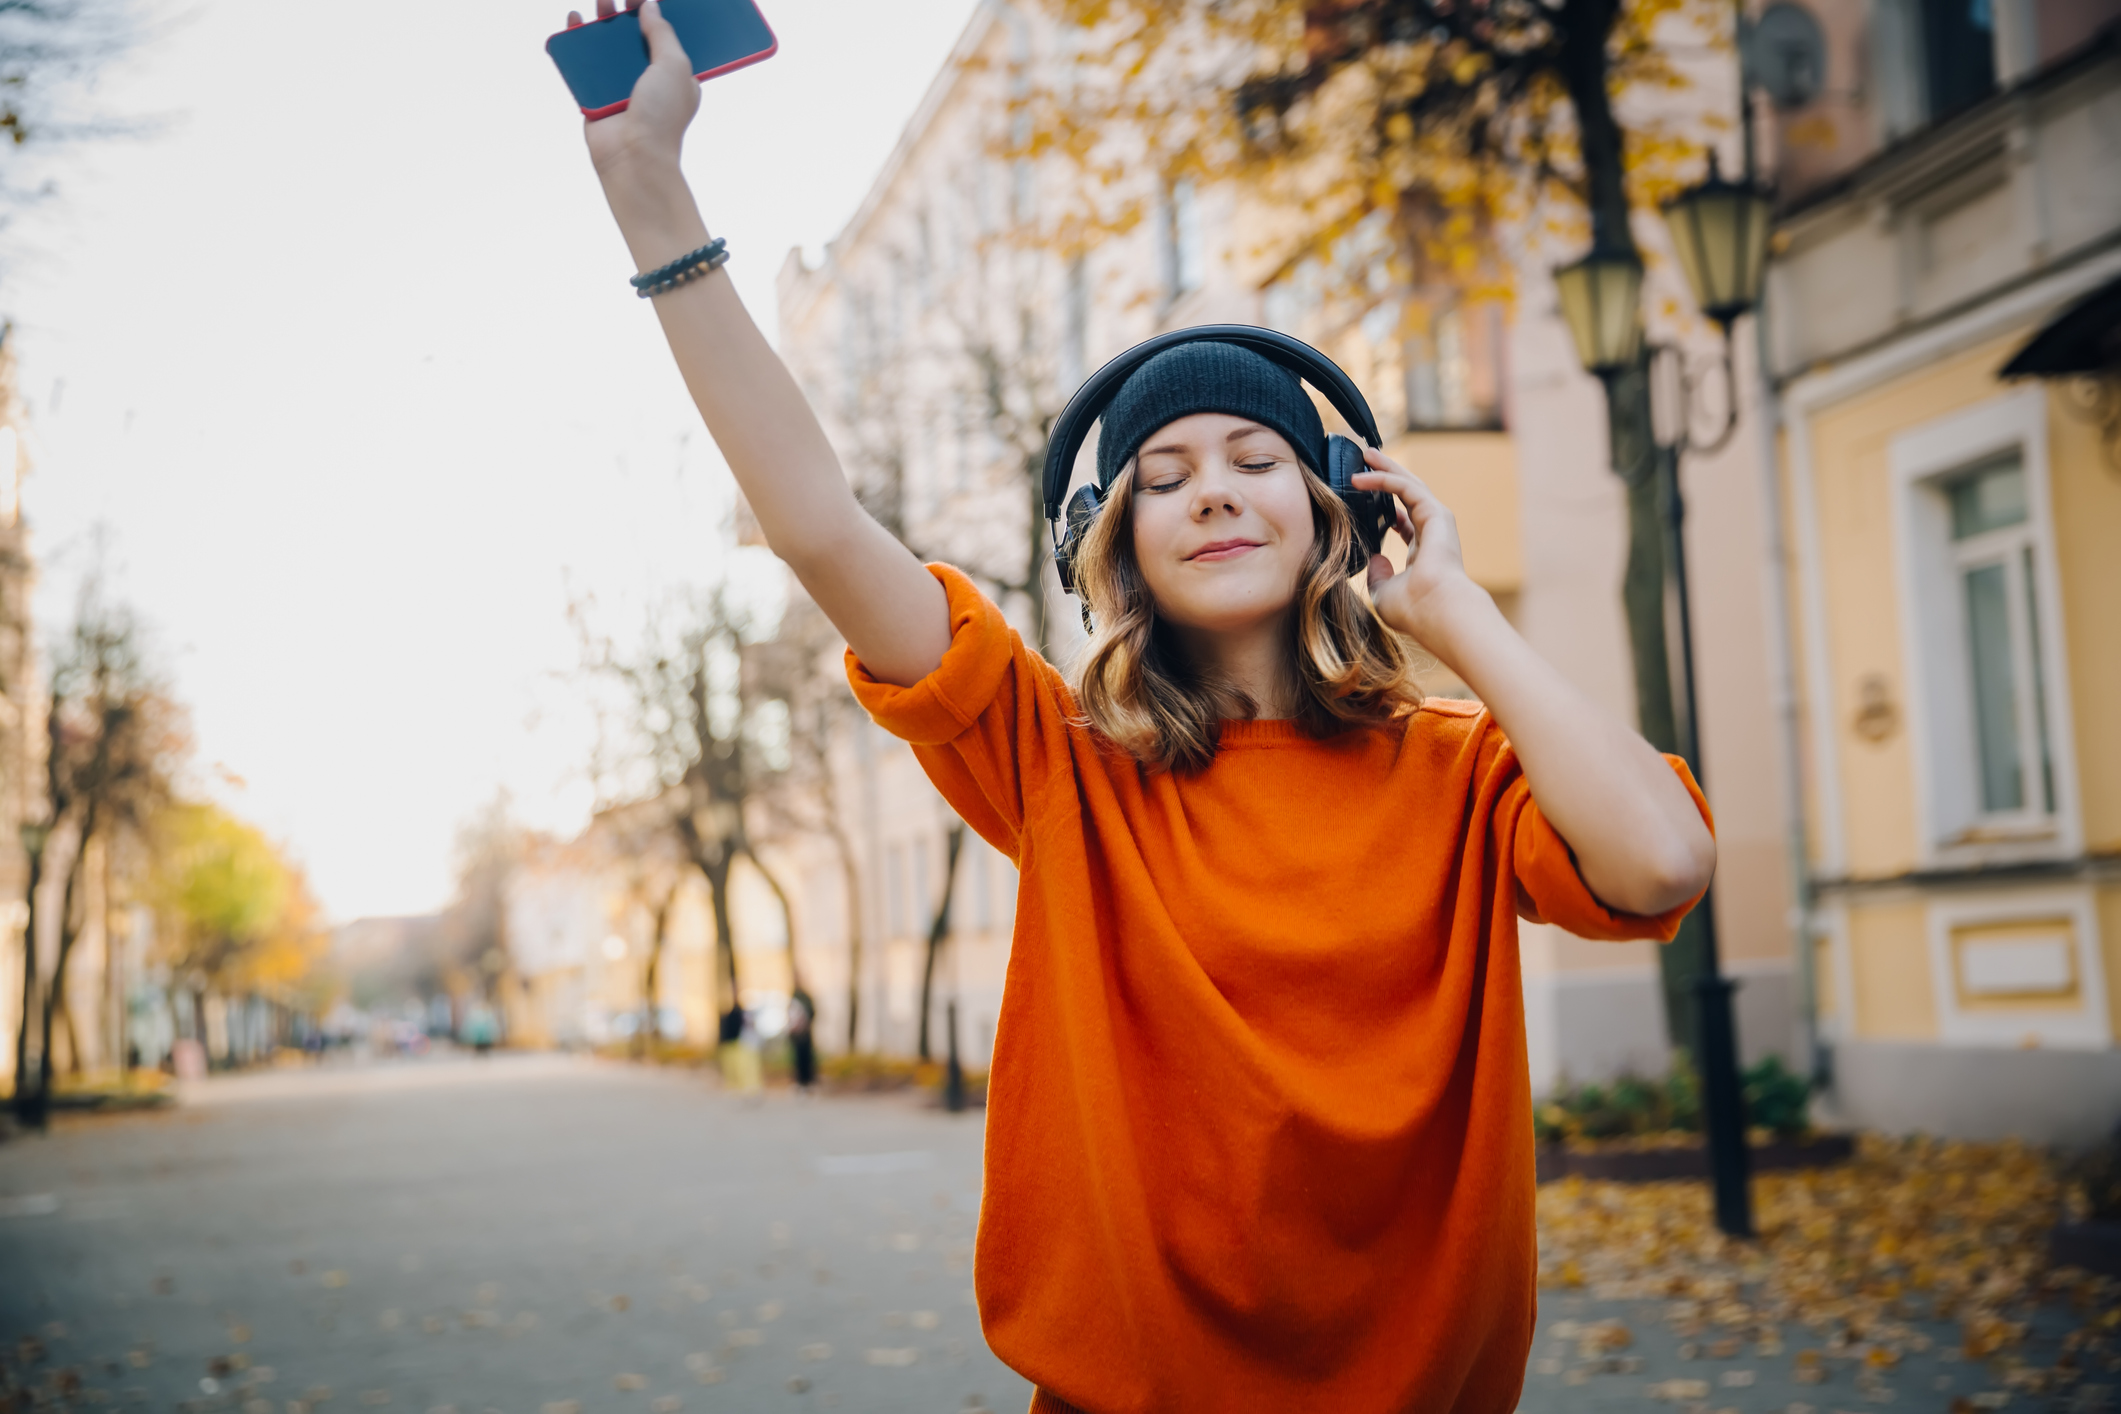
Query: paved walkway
[545,1235]
[523,1234]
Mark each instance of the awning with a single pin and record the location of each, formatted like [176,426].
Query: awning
[2084,338]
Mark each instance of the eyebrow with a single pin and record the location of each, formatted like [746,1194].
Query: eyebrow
[1235,434]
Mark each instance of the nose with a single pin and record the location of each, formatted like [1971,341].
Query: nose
[1215,490]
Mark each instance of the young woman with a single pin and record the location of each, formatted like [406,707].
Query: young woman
[1259,1130]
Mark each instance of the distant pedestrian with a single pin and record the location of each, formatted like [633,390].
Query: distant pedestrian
[802,1045]
[1259,1132]
[739,1053]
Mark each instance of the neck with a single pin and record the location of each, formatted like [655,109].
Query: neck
[1254,660]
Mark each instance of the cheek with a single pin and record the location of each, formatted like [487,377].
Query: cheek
[1289,511]
[1157,525]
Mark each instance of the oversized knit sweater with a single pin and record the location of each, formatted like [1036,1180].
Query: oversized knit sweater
[1259,1131]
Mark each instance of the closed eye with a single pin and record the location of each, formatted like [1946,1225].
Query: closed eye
[1268,465]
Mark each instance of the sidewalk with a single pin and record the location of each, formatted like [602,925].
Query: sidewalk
[1913,1277]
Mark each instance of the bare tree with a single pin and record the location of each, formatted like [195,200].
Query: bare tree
[114,742]
[470,953]
[686,729]
[939,927]
[51,53]
[644,838]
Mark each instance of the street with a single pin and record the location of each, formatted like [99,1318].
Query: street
[523,1234]
[542,1234]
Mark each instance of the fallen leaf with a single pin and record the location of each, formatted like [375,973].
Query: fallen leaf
[335,1278]
[629,1382]
[902,1356]
[1675,1390]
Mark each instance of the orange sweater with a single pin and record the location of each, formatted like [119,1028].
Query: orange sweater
[1259,1132]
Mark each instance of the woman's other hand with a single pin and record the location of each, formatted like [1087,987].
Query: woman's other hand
[646,137]
[1432,597]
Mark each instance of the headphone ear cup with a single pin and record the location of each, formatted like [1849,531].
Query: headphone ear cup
[1083,507]
[1372,511]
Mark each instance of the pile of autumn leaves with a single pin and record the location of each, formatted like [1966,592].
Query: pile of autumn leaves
[1851,1255]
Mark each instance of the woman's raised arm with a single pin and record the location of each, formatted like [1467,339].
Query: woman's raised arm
[891,610]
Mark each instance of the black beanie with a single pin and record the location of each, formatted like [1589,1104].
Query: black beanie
[1207,377]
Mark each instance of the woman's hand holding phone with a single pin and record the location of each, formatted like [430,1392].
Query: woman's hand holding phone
[650,132]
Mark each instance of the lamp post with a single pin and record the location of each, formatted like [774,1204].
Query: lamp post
[1719,228]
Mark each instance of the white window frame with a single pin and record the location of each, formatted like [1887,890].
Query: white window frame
[2083,1026]
[1185,240]
[1925,461]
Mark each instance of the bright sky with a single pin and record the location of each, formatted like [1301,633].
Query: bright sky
[345,361]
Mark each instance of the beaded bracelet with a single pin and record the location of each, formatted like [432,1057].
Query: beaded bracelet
[682,271]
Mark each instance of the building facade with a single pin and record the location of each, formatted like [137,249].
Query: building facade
[1956,602]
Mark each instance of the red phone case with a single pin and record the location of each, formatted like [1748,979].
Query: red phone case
[592,114]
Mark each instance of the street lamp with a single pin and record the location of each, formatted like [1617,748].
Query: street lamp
[1601,297]
[1719,229]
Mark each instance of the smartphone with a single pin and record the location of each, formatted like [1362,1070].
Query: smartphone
[603,59]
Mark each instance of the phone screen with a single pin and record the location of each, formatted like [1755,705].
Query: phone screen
[602,60]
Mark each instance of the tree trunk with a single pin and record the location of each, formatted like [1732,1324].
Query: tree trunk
[651,1012]
[939,926]
[853,878]
[1587,27]
[724,941]
[780,895]
[29,1100]
[69,934]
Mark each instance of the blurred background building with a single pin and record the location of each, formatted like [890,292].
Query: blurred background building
[1943,313]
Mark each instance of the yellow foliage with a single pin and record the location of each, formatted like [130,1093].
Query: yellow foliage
[232,913]
[1454,133]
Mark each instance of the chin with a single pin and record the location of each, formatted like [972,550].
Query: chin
[1227,608]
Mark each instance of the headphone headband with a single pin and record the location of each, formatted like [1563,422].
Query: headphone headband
[1072,428]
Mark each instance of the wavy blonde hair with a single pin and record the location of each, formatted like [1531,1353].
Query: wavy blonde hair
[1135,686]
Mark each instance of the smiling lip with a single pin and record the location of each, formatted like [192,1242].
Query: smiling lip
[1224,549]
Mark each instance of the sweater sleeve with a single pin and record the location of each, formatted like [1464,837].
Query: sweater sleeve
[985,724]
[1551,889]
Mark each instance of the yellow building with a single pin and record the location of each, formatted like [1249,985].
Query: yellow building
[1956,587]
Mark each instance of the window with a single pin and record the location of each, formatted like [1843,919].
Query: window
[1988,702]
[1426,356]
[1185,258]
[1959,53]
[1930,59]
[1992,560]
[1453,368]
[1075,336]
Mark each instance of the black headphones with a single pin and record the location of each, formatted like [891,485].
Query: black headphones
[1374,512]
